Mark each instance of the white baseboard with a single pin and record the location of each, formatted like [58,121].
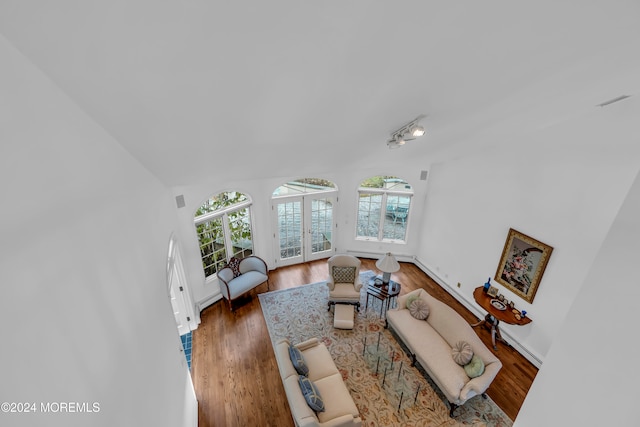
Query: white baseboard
[207,301]
[368,254]
[530,355]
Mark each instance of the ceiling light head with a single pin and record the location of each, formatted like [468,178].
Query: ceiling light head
[396,142]
[416,130]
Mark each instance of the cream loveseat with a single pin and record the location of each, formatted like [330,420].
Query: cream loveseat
[430,343]
[339,408]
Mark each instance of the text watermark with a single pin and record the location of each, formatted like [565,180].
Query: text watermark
[50,407]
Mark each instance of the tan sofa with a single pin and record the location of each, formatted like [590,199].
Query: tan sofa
[430,343]
[340,410]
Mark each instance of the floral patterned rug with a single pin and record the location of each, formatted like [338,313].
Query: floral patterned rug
[301,313]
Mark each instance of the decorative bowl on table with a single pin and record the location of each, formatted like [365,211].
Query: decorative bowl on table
[497,304]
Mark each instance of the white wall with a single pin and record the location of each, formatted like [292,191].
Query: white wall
[260,191]
[589,376]
[562,185]
[85,231]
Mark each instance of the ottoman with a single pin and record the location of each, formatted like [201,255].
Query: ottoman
[343,316]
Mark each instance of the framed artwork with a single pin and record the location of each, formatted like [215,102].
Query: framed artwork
[493,291]
[522,264]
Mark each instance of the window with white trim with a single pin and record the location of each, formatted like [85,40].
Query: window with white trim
[383,209]
[223,226]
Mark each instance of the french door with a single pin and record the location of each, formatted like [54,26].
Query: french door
[304,227]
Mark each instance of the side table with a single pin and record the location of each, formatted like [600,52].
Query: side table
[385,293]
[495,316]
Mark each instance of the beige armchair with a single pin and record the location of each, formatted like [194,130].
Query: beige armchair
[344,280]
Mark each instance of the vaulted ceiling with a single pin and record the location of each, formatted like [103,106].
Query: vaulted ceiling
[199,89]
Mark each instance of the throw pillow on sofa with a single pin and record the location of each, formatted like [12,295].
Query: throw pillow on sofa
[344,274]
[311,394]
[298,360]
[419,309]
[475,368]
[462,353]
[411,299]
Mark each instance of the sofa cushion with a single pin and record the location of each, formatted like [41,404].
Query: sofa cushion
[475,367]
[462,353]
[311,394]
[320,362]
[245,282]
[344,274]
[419,309]
[337,399]
[298,361]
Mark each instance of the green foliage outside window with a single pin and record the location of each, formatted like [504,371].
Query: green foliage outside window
[375,182]
[211,233]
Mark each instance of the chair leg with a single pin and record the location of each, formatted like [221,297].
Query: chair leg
[453,408]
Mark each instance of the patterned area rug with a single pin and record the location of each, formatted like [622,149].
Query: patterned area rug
[301,313]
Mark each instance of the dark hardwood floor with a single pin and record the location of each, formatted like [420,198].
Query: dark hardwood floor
[234,370]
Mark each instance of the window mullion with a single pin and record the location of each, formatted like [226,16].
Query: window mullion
[228,244]
[219,212]
[383,214]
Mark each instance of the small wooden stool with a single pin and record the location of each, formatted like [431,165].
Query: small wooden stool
[343,316]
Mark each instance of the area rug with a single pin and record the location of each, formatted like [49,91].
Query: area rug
[301,313]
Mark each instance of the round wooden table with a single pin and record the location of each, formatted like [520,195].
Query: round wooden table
[495,316]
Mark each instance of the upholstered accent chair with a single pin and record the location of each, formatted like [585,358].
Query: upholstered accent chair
[242,275]
[344,280]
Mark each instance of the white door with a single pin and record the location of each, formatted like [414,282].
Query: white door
[289,230]
[178,293]
[179,305]
[304,227]
[318,209]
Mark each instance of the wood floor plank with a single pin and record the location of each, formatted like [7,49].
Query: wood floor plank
[235,373]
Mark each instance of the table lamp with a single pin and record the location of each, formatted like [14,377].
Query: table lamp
[387,265]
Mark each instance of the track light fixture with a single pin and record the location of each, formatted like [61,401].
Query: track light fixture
[408,132]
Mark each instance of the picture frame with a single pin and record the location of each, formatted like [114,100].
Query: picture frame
[493,291]
[511,305]
[522,264]
[500,297]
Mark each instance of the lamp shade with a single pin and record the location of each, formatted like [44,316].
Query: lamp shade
[388,264]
